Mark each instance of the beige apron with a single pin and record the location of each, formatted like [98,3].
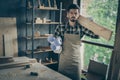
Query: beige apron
[69,62]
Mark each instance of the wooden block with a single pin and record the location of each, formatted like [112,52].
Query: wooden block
[8,45]
[97,29]
[18,62]
[8,26]
[1,46]
[38,21]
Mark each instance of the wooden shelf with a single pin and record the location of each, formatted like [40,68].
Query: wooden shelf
[49,23]
[44,23]
[35,52]
[49,8]
[38,37]
[42,49]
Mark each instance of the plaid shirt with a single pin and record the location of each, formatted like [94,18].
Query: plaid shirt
[78,29]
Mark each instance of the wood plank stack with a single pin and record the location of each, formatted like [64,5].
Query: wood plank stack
[12,62]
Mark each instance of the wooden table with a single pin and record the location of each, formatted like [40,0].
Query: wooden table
[22,73]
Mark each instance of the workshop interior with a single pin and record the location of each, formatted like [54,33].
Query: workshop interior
[29,49]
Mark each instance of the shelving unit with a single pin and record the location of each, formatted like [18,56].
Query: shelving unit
[32,9]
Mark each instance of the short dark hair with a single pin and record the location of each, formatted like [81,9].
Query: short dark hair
[73,6]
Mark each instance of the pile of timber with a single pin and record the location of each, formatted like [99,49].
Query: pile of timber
[12,62]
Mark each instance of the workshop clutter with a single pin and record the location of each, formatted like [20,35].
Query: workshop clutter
[55,44]
[37,34]
[44,4]
[47,3]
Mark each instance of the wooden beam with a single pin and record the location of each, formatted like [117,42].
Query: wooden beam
[114,68]
[97,29]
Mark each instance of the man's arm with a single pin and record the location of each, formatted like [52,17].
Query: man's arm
[89,33]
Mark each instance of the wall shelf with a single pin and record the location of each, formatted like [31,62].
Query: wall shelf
[49,23]
[49,8]
[38,37]
[37,51]
[44,23]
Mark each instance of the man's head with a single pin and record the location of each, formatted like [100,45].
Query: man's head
[73,12]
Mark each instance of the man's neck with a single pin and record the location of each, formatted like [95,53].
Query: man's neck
[72,24]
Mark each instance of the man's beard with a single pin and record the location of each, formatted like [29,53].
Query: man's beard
[73,19]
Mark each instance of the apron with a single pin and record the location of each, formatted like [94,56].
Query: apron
[69,62]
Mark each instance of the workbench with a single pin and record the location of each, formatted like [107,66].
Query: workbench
[17,62]
[23,73]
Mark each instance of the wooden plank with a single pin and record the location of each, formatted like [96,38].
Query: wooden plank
[8,45]
[18,62]
[97,29]
[44,73]
[1,46]
[8,26]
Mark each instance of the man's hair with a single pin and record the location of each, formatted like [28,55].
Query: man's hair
[73,6]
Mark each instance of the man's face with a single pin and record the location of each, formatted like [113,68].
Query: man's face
[73,14]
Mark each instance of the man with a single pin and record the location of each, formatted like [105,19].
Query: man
[71,33]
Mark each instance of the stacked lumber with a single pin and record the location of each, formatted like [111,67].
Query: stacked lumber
[17,62]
